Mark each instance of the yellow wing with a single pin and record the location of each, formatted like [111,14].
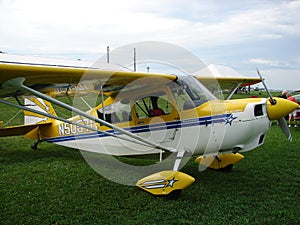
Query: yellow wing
[41,75]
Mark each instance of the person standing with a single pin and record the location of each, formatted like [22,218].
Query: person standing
[283,94]
[294,113]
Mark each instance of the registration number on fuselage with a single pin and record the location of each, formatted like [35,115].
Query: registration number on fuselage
[69,129]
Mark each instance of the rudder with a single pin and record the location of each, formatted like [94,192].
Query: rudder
[39,105]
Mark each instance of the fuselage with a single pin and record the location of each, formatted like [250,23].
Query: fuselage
[182,116]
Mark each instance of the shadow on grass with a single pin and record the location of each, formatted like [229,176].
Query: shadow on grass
[18,150]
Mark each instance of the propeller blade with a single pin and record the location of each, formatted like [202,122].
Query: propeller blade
[285,129]
[272,100]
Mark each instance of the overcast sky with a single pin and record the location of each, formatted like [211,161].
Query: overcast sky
[244,35]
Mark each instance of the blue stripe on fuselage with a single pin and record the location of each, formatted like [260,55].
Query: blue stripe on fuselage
[147,128]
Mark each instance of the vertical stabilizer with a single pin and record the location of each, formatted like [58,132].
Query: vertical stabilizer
[39,105]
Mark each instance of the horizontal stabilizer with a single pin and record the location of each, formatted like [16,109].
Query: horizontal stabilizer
[21,130]
[163,183]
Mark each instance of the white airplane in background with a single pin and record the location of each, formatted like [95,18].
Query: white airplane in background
[143,114]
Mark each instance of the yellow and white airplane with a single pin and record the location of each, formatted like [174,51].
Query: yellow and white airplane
[143,114]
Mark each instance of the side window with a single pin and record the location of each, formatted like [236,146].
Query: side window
[142,107]
[151,106]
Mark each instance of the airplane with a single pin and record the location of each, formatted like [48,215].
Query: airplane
[143,114]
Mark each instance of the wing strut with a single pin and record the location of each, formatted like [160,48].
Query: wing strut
[233,91]
[17,83]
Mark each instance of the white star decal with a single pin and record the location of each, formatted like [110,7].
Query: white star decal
[229,119]
[171,182]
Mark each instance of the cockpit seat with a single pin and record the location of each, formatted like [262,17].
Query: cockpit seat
[156,112]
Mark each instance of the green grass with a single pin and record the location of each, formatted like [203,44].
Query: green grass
[55,185]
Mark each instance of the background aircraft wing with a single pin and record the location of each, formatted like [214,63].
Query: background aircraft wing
[219,77]
[227,82]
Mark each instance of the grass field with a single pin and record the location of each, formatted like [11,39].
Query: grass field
[55,185]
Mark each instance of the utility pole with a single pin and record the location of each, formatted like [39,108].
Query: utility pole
[107,54]
[134,60]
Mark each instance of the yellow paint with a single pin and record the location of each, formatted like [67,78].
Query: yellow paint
[217,107]
[164,182]
[219,162]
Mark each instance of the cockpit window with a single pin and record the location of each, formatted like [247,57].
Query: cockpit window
[190,93]
[154,105]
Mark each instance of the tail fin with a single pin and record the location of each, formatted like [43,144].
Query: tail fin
[39,105]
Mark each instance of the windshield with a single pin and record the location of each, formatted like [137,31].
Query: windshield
[190,93]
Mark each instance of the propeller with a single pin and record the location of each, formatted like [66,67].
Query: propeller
[272,100]
[285,129]
[278,108]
